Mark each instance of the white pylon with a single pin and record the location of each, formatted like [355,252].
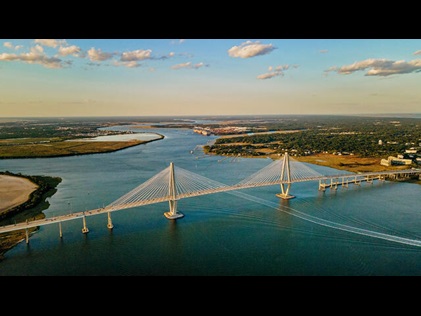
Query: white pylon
[173,213]
[285,179]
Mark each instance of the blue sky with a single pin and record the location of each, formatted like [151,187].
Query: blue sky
[124,77]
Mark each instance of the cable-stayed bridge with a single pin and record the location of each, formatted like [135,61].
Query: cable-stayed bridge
[175,183]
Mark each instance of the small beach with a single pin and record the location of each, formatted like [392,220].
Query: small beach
[14,191]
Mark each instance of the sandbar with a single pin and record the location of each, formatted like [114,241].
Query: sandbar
[14,191]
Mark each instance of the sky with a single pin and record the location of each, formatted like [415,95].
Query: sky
[182,77]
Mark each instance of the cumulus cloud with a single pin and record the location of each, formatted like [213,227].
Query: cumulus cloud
[275,71]
[379,67]
[69,50]
[249,49]
[136,55]
[50,42]
[98,55]
[35,56]
[189,65]
[418,52]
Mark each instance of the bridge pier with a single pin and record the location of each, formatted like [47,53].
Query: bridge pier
[60,231]
[27,236]
[285,192]
[110,223]
[173,213]
[85,229]
[333,184]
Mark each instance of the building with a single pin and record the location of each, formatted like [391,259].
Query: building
[395,161]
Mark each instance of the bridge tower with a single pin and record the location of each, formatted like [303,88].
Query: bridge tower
[173,213]
[285,179]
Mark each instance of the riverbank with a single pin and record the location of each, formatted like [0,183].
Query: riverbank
[33,196]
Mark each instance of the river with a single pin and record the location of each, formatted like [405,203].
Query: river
[245,233]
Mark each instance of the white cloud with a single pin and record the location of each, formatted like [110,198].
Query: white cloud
[35,56]
[10,45]
[180,66]
[418,52]
[269,75]
[37,49]
[379,67]
[98,55]
[249,49]
[69,50]
[50,42]
[189,65]
[275,71]
[128,64]
[136,55]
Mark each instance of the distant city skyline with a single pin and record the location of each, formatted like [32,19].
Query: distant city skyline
[181,77]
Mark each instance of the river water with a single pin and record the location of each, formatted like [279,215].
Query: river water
[250,232]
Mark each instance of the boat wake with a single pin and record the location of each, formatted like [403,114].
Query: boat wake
[327,223]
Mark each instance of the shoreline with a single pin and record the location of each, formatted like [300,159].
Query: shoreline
[32,208]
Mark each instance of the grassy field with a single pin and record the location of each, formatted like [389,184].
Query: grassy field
[351,163]
[34,148]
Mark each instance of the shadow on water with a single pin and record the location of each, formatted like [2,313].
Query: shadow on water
[173,232]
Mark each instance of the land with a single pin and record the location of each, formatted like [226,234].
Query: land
[58,137]
[23,198]
[344,142]
[348,163]
[14,191]
[36,148]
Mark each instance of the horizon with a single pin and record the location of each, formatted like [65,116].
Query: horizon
[392,115]
[208,77]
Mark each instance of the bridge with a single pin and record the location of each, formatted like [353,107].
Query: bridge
[175,183]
